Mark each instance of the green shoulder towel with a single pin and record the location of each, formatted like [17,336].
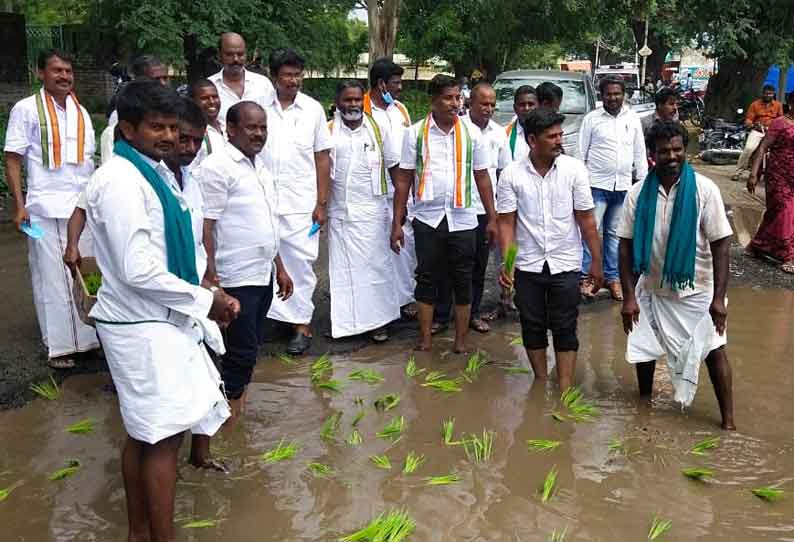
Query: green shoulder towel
[180,246]
[679,260]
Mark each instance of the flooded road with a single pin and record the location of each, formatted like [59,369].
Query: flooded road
[603,492]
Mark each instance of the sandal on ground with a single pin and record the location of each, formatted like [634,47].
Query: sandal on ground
[615,290]
[788,267]
[586,286]
[61,363]
[480,325]
[438,327]
[379,335]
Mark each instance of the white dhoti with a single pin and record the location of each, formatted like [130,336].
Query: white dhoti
[404,263]
[681,329]
[298,252]
[165,379]
[363,297]
[62,331]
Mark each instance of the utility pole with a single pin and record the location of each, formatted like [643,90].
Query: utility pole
[645,52]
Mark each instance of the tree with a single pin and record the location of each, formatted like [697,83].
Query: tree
[383,17]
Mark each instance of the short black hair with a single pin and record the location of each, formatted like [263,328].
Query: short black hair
[236,111]
[142,64]
[440,82]
[348,83]
[541,119]
[141,96]
[768,87]
[192,114]
[666,130]
[548,92]
[284,57]
[383,69]
[197,85]
[524,89]
[46,54]
[611,80]
[663,95]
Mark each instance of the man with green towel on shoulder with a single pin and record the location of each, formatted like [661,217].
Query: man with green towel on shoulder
[674,241]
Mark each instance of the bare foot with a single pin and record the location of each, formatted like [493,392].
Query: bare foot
[423,346]
[729,426]
[210,464]
[460,349]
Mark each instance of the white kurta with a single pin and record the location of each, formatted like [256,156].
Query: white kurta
[152,323]
[51,197]
[363,297]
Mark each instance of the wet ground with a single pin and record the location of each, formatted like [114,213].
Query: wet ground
[601,494]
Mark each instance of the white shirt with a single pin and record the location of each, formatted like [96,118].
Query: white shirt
[521,146]
[241,197]
[393,120]
[126,219]
[355,160]
[256,88]
[611,147]
[294,135]
[51,193]
[546,229]
[713,225]
[441,169]
[217,142]
[494,141]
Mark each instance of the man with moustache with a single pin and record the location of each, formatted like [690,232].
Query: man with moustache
[297,154]
[674,243]
[234,83]
[52,134]
[151,314]
[525,101]
[612,145]
[445,161]
[205,94]
[241,238]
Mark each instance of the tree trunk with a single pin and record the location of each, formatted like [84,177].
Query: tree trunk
[735,85]
[655,62]
[382,18]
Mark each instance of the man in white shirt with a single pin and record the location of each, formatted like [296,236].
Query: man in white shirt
[363,297]
[675,280]
[52,134]
[445,162]
[297,154]
[383,104]
[546,208]
[234,82]
[205,94]
[492,135]
[525,101]
[151,314]
[612,145]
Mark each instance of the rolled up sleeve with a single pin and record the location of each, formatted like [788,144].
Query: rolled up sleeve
[582,194]
[506,197]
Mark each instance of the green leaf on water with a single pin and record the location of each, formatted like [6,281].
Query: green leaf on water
[768,494]
[320,470]
[48,389]
[542,445]
[387,402]
[281,452]
[331,426]
[81,427]
[658,528]
[412,462]
[547,490]
[381,461]
[703,447]
[396,526]
[443,480]
[697,473]
[393,430]
[370,376]
[72,466]
[200,524]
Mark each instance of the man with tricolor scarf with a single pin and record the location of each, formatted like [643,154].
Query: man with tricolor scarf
[674,242]
[445,162]
[52,134]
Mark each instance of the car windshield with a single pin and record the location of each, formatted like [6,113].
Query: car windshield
[574,95]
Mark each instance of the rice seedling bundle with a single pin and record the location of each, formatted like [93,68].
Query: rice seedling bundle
[396,526]
[658,528]
[445,385]
[72,466]
[393,430]
[6,492]
[479,448]
[281,452]
[768,494]
[579,410]
[320,470]
[355,438]
[200,524]
[510,258]
[411,370]
[381,461]
[542,445]
[48,390]
[703,447]
[387,402]
[442,480]
[434,375]
[330,385]
[547,490]
[92,282]
[412,462]
[447,431]
[359,416]
[331,426]
[697,473]
[82,427]
[475,363]
[320,367]
[370,376]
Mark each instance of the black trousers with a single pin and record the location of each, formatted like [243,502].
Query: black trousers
[547,301]
[443,255]
[482,251]
[243,335]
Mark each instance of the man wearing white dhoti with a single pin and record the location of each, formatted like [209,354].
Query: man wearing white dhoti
[674,241]
[151,314]
[52,134]
[363,297]
[296,154]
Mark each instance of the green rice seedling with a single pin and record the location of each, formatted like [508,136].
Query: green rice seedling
[475,363]
[200,524]
[370,376]
[542,445]
[320,367]
[479,449]
[48,390]
[434,375]
[393,430]
[411,369]
[447,431]
[445,385]
[82,427]
[768,494]
[547,490]
[331,426]
[358,401]
[702,447]
[517,370]
[559,536]
[697,473]
[412,462]
[72,466]
[579,410]
[617,446]
[387,402]
[355,438]
[396,526]
[443,480]
[331,385]
[287,360]
[320,470]
[5,493]
[381,461]
[658,528]
[518,341]
[510,258]
[92,282]
[359,416]
[281,452]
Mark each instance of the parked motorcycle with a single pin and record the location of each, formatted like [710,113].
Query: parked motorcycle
[721,141]
[691,107]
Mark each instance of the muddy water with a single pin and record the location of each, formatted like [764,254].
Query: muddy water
[602,495]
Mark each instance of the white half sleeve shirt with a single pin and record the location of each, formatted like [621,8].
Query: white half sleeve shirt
[494,140]
[257,88]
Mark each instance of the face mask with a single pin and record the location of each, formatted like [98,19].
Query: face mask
[387,98]
[352,115]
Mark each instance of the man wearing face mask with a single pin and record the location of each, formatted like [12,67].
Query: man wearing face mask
[363,297]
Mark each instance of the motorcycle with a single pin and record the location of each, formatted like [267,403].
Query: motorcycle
[691,106]
[721,141]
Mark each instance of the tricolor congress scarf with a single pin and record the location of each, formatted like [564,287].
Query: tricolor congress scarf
[464,174]
[180,246]
[380,186]
[54,152]
[679,260]
[400,107]
[512,135]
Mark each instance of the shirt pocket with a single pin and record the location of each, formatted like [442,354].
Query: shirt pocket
[562,211]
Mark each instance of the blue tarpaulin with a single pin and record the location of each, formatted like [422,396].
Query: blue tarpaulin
[773,74]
